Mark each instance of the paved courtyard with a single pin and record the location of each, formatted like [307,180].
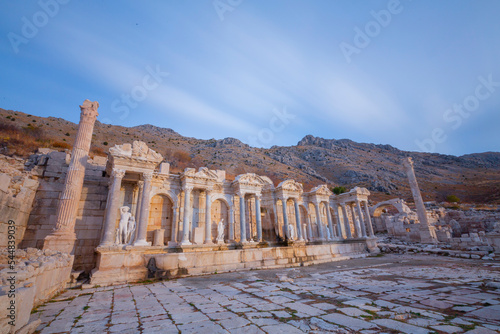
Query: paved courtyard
[387,294]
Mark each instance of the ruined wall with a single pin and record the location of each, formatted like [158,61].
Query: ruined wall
[90,214]
[17,192]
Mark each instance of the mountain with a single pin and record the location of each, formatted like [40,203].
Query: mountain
[313,161]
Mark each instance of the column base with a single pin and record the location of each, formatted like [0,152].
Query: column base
[60,241]
[142,243]
[185,243]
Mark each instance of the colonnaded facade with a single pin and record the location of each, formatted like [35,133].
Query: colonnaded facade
[127,218]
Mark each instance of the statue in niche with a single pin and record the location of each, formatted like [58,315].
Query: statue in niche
[328,234]
[291,232]
[130,229]
[220,231]
[122,231]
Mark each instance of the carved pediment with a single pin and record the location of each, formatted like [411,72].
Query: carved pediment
[138,150]
[202,173]
[361,191]
[253,179]
[321,190]
[291,185]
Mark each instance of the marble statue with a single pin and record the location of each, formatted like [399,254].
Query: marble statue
[130,229]
[291,232]
[220,230]
[328,234]
[123,225]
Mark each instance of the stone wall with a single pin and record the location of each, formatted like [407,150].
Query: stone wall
[90,213]
[39,275]
[17,192]
[117,265]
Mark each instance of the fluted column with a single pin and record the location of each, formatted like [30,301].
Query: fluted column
[346,221]
[368,220]
[318,221]
[340,228]
[143,222]
[243,227]
[208,224]
[108,236]
[135,200]
[276,218]
[285,218]
[187,214]
[329,217]
[258,218]
[297,219]
[63,237]
[361,220]
[355,221]
[309,229]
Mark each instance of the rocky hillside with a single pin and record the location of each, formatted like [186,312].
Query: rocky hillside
[473,177]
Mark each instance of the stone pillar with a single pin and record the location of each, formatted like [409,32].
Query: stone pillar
[231,223]
[243,227]
[340,228]
[297,219]
[139,201]
[135,200]
[357,228]
[258,218]
[309,229]
[63,237]
[318,221]
[346,221]
[276,218]
[427,234]
[361,220]
[175,223]
[112,204]
[187,213]
[285,218]
[208,223]
[329,217]
[144,213]
[368,220]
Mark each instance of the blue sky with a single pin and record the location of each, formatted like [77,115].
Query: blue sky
[387,72]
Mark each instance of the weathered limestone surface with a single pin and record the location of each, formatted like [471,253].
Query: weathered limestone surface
[39,275]
[63,237]
[118,266]
[17,192]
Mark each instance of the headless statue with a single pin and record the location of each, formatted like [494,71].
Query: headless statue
[220,230]
[123,225]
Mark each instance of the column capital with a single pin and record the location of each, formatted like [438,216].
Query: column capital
[240,193]
[89,109]
[118,173]
[147,176]
[208,190]
[187,188]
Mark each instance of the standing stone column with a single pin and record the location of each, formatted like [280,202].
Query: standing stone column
[340,228]
[258,218]
[361,220]
[144,212]
[276,218]
[368,220]
[243,227]
[297,219]
[137,212]
[208,223]
[318,221]
[309,228]
[112,204]
[329,218]
[357,228]
[427,234]
[346,221]
[285,217]
[231,223]
[173,237]
[417,197]
[63,237]
[187,213]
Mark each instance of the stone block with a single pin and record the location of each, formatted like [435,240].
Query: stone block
[4,183]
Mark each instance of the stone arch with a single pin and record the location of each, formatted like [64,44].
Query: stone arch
[397,203]
[161,212]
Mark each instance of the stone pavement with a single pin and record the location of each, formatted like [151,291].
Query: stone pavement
[387,294]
